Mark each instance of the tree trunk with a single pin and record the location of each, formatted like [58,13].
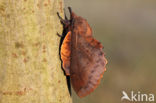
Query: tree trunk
[30,68]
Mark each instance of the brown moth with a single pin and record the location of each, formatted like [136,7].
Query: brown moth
[82,55]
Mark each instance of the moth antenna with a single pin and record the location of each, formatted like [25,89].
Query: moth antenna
[65,15]
[70,11]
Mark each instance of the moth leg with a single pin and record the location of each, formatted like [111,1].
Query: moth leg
[59,35]
[63,21]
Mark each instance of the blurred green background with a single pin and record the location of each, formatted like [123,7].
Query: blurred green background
[127,30]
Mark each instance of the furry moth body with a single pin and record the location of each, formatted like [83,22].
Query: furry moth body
[82,55]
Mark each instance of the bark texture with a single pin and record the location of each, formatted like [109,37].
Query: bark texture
[30,68]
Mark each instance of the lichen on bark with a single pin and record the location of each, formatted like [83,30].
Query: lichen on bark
[30,68]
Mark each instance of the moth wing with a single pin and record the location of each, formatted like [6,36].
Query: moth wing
[87,65]
[66,53]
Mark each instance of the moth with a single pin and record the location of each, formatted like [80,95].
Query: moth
[82,55]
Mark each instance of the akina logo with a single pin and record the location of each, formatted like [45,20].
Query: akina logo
[137,97]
